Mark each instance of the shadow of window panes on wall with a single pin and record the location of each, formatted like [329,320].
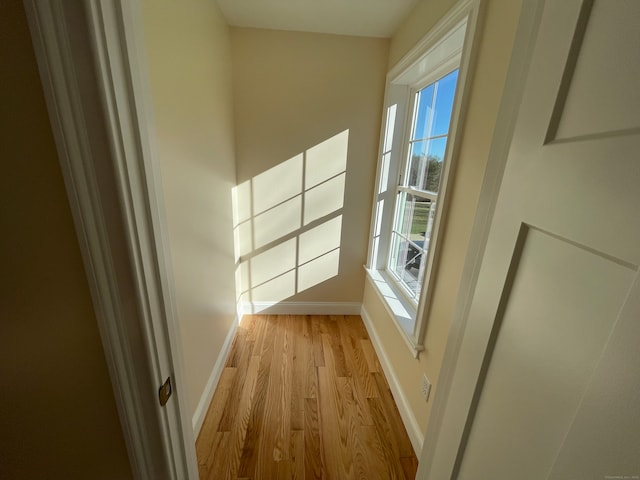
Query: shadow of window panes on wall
[288,223]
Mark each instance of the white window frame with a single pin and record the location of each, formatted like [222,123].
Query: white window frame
[406,150]
[448,46]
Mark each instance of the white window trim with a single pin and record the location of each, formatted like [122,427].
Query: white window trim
[403,80]
[404,149]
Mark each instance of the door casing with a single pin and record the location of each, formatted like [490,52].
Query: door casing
[91,62]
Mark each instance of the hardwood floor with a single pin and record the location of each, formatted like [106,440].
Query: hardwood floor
[303,397]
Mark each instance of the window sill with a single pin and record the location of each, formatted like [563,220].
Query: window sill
[399,309]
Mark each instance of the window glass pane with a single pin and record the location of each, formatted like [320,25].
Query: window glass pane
[413,217]
[405,262]
[422,114]
[384,173]
[446,89]
[417,169]
[389,128]
[435,159]
[403,214]
[425,164]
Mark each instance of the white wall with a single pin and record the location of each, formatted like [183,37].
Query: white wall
[307,117]
[188,50]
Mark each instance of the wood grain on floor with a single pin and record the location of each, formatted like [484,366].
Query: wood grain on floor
[303,397]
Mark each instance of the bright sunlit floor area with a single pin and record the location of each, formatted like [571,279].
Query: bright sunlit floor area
[303,397]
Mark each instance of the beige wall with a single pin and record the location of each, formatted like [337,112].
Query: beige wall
[188,53]
[58,417]
[420,20]
[307,120]
[486,89]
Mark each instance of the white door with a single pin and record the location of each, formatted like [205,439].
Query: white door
[547,380]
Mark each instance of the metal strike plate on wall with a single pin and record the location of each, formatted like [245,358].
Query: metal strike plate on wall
[165,392]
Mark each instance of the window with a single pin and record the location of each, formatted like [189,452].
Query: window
[421,113]
[417,191]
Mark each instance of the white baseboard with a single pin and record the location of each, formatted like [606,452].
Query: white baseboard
[302,308]
[408,419]
[214,378]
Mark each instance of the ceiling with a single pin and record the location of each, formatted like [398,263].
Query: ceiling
[367,18]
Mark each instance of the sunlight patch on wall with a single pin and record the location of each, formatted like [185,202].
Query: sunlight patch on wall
[273,262]
[318,270]
[326,160]
[319,240]
[277,185]
[288,223]
[324,199]
[242,202]
[277,222]
[275,290]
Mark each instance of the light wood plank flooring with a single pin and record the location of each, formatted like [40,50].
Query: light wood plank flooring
[303,397]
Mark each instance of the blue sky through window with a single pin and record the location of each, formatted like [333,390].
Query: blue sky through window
[434,115]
